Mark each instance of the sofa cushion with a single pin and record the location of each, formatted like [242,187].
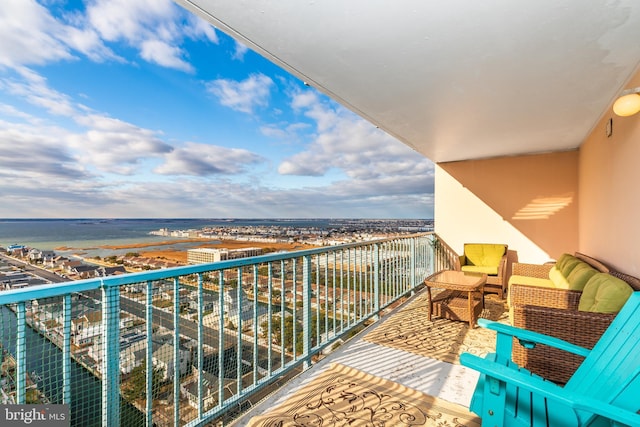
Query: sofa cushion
[558,279]
[486,269]
[580,275]
[531,281]
[604,293]
[485,254]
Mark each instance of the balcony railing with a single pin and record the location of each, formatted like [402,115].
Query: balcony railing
[195,344]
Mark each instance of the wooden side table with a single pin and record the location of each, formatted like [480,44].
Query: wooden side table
[462,298]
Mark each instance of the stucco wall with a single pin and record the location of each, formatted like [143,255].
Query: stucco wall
[529,202]
[610,192]
[480,200]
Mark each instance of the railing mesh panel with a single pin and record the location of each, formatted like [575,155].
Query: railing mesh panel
[196,345]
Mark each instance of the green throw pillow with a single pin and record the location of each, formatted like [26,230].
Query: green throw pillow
[604,293]
[563,259]
[569,265]
[580,275]
[559,281]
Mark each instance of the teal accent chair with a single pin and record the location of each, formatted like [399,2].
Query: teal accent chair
[603,391]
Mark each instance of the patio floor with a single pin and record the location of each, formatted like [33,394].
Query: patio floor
[403,357]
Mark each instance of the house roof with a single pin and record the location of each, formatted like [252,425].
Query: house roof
[455,80]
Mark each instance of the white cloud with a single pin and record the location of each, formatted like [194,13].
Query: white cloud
[348,143]
[240,51]
[109,144]
[283,130]
[60,177]
[101,165]
[31,35]
[115,146]
[155,27]
[34,88]
[304,99]
[197,28]
[162,53]
[88,42]
[28,35]
[11,111]
[36,153]
[118,20]
[204,160]
[243,95]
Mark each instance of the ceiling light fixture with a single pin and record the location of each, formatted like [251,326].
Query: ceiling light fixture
[628,103]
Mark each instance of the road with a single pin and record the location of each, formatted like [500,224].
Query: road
[37,271]
[188,327]
[162,318]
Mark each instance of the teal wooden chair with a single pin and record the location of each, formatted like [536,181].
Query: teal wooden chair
[604,391]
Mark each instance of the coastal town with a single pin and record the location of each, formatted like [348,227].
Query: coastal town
[229,241]
[340,231]
[22,266]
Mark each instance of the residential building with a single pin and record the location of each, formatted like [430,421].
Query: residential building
[43,256]
[210,389]
[206,255]
[163,359]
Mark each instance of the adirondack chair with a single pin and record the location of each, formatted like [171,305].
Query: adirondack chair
[604,390]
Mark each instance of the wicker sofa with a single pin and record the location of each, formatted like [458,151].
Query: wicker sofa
[555,312]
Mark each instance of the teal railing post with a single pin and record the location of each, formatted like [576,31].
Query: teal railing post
[255,324]
[176,351]
[269,317]
[432,264]
[200,362]
[413,266]
[306,310]
[294,310]
[376,280]
[282,312]
[21,354]
[110,355]
[66,351]
[239,348]
[221,347]
[149,355]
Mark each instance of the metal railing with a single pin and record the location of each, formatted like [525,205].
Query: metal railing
[195,344]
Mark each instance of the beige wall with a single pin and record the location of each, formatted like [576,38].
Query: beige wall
[610,192]
[528,202]
[591,197]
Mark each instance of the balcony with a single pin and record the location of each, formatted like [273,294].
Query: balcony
[202,344]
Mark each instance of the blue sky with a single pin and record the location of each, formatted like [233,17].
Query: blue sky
[120,108]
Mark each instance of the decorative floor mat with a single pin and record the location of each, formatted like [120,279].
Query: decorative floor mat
[410,330]
[343,396]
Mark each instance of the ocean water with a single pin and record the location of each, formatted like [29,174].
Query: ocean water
[91,233]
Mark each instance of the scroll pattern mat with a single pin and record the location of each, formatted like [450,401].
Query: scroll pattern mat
[343,396]
[410,330]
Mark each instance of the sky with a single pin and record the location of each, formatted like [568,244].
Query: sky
[140,109]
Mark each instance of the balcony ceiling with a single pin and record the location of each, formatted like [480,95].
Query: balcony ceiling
[456,79]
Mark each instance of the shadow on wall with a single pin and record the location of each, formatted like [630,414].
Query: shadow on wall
[536,194]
